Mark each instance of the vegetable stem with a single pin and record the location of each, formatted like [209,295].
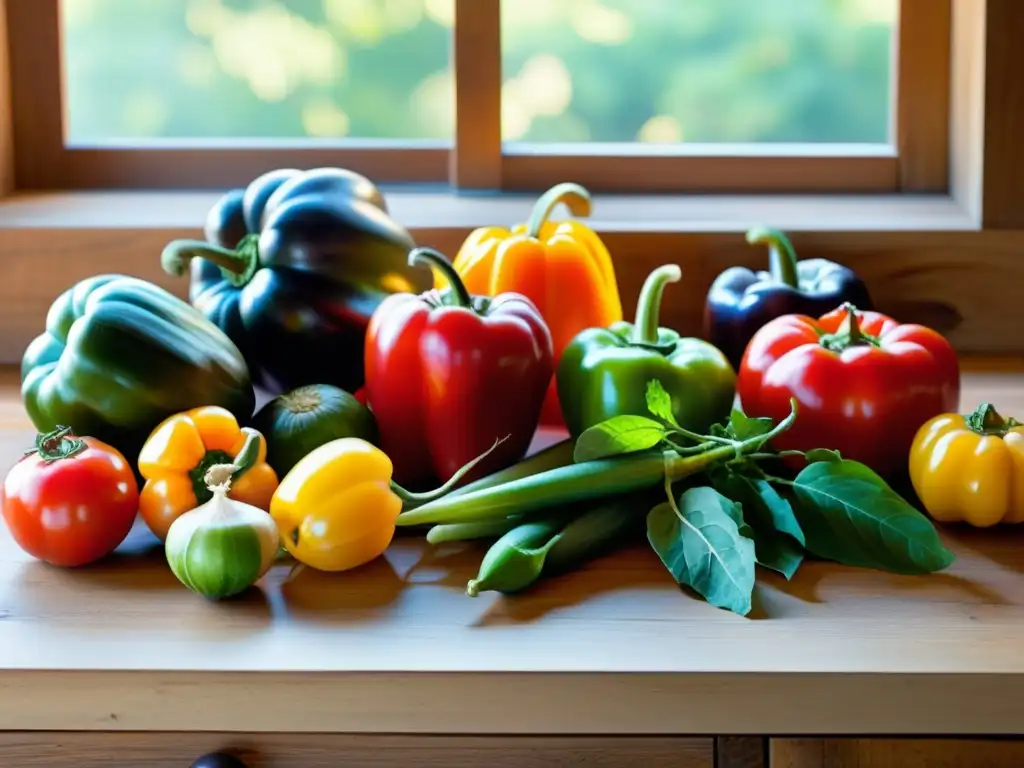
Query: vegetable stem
[575,198]
[238,266]
[415,499]
[850,334]
[781,256]
[56,445]
[457,288]
[986,420]
[648,308]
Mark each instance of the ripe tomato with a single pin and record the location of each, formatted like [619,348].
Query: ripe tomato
[71,501]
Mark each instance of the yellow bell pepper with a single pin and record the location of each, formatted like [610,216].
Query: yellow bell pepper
[335,509]
[177,454]
[970,468]
[561,266]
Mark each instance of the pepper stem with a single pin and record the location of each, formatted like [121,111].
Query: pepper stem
[575,198]
[218,477]
[248,453]
[849,334]
[56,445]
[411,500]
[781,256]
[648,307]
[440,262]
[238,266]
[986,420]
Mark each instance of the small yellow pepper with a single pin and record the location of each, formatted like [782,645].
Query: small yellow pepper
[970,468]
[335,509]
[175,458]
[563,267]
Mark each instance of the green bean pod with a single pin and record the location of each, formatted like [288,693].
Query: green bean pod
[516,559]
[565,485]
[552,457]
[509,567]
[477,529]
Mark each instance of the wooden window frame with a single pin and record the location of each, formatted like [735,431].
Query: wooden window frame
[915,161]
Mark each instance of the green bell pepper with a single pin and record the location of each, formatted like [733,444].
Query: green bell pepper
[604,371]
[119,355]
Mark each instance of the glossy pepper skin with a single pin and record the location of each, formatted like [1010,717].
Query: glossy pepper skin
[292,268]
[335,509]
[970,468]
[604,371]
[448,374]
[175,458]
[562,267]
[864,383]
[741,300]
[119,355]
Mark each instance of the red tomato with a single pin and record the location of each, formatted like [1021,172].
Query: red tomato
[74,510]
[864,384]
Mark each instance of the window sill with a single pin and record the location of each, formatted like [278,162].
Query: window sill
[422,210]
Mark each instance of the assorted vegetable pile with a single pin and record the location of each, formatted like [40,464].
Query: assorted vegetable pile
[406,389]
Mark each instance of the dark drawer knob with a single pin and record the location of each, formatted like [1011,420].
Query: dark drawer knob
[218,760]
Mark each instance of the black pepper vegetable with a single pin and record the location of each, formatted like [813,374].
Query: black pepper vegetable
[292,269]
[741,300]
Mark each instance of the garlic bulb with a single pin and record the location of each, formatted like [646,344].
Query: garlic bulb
[224,546]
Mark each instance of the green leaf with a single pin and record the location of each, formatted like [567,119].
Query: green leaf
[769,518]
[702,547]
[743,427]
[618,435]
[850,515]
[822,454]
[659,402]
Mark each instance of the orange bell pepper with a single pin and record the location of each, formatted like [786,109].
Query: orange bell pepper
[561,266]
[177,454]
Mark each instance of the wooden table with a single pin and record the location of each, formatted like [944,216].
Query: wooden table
[394,665]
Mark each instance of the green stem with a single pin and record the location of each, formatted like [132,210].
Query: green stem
[238,266]
[479,529]
[849,334]
[648,307]
[986,420]
[575,198]
[781,256]
[56,445]
[417,499]
[247,455]
[440,262]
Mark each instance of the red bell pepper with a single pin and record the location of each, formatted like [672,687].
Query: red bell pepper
[448,374]
[864,383]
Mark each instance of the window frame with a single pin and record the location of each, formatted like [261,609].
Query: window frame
[477,158]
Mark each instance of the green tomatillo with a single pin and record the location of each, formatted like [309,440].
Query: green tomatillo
[604,371]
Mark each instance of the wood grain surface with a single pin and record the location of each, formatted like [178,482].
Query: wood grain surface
[614,648]
[321,750]
[896,753]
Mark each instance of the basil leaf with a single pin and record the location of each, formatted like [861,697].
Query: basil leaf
[618,435]
[659,402]
[850,515]
[822,454]
[702,547]
[743,427]
[772,523]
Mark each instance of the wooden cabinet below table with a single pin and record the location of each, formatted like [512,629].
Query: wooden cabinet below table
[896,753]
[179,750]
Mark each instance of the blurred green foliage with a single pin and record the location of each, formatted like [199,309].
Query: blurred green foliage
[574,70]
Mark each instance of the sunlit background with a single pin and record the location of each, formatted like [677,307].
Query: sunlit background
[574,70]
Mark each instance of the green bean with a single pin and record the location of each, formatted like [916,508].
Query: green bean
[552,457]
[511,567]
[564,485]
[479,529]
[582,481]
[516,558]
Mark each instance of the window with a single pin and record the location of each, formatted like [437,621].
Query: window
[621,95]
